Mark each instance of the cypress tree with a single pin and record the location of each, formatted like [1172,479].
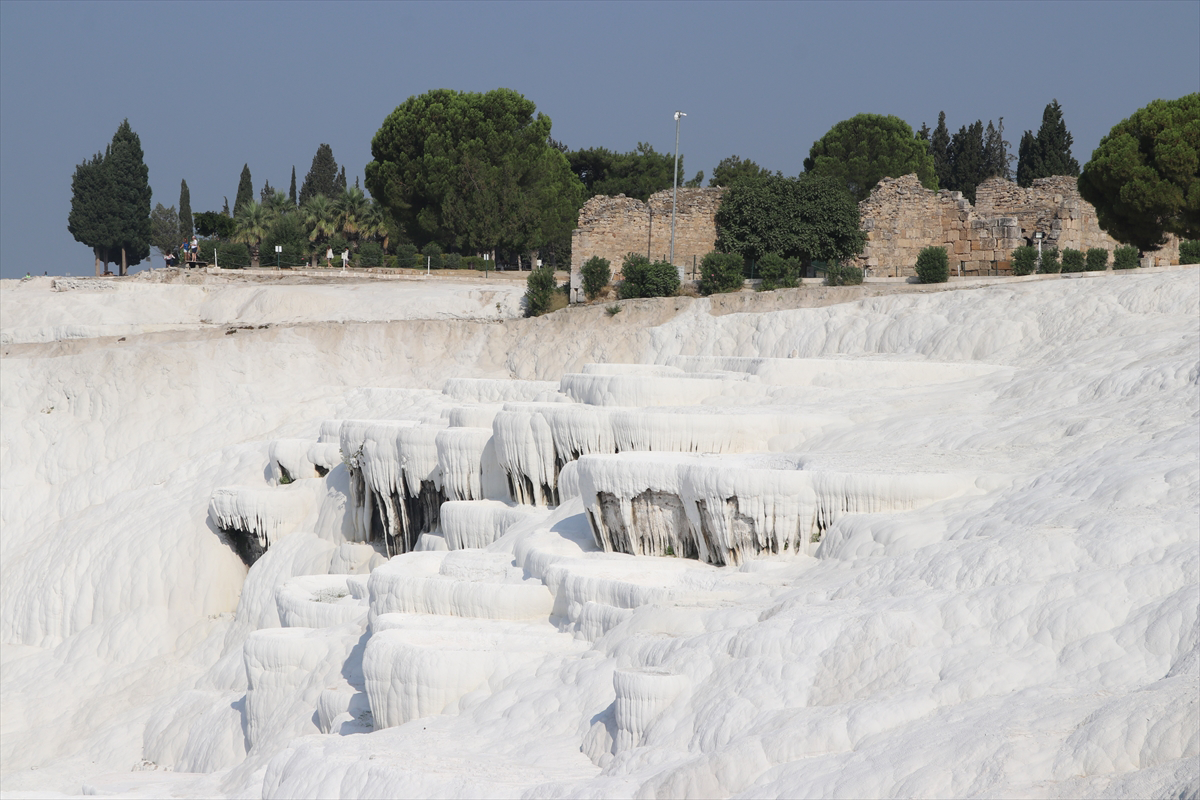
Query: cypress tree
[266,193]
[130,188]
[995,153]
[321,177]
[1026,155]
[185,209]
[1054,144]
[340,186]
[967,160]
[90,219]
[292,188]
[225,209]
[939,148]
[245,192]
[1048,153]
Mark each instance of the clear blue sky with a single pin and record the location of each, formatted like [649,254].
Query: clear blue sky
[210,86]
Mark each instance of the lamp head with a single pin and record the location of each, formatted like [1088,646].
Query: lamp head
[679,114]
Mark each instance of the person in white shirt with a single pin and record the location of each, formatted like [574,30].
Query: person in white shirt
[329,256]
[345,259]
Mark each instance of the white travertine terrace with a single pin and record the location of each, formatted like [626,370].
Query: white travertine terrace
[938,544]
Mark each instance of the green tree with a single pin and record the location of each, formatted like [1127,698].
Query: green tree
[185,210]
[860,151]
[165,233]
[638,173]
[129,185]
[339,185]
[91,219]
[1025,159]
[351,209]
[321,177]
[733,169]
[939,150]
[811,217]
[1144,178]
[1049,153]
[319,220]
[252,223]
[245,191]
[213,224]
[696,181]
[995,152]
[473,172]
[292,188]
[968,166]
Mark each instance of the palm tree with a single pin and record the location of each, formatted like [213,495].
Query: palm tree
[317,213]
[279,203]
[375,224]
[351,211]
[251,223]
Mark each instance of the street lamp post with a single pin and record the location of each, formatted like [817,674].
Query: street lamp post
[675,190]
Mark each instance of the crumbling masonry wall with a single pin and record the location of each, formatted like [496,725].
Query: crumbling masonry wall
[901,217]
[611,227]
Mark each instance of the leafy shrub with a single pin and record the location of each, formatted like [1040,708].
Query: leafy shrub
[1050,264]
[640,278]
[1072,260]
[1189,251]
[432,253]
[1097,259]
[721,272]
[933,265]
[1024,260]
[370,254]
[777,272]
[230,255]
[406,255]
[597,272]
[452,261]
[1125,257]
[539,291]
[842,275]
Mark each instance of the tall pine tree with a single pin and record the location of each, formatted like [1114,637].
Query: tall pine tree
[995,152]
[321,177]
[340,184]
[185,210]
[245,192]
[966,157]
[292,188]
[91,218]
[1048,153]
[130,193]
[1026,155]
[939,148]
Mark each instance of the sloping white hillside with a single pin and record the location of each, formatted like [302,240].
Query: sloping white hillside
[941,544]
[33,311]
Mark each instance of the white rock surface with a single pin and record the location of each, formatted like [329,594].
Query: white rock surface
[1026,624]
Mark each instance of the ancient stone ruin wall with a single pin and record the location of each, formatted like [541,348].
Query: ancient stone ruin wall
[901,217]
[611,227]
